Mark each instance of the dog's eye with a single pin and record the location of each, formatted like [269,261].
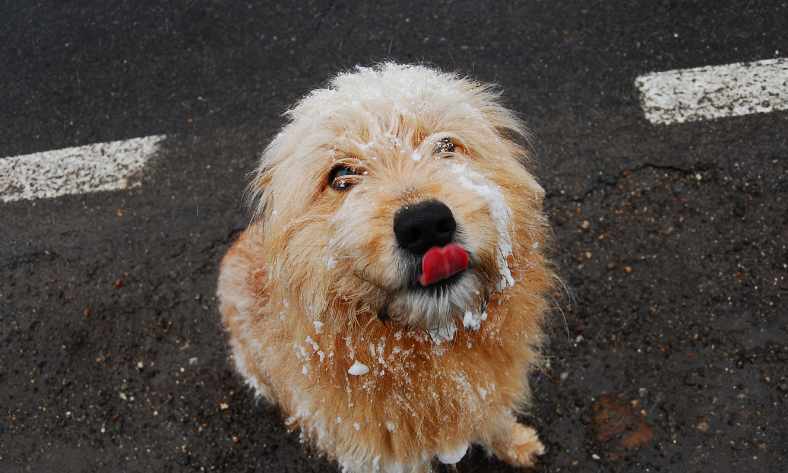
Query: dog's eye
[445,145]
[342,177]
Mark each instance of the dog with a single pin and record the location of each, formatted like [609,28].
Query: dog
[390,292]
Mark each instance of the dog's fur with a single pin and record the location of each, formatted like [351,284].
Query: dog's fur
[317,283]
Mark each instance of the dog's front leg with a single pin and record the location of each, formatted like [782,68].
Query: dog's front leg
[515,443]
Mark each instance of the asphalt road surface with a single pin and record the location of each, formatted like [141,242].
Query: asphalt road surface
[671,354]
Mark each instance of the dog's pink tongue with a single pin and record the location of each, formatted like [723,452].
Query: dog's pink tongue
[441,263]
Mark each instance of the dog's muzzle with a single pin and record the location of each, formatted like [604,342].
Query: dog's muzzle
[426,231]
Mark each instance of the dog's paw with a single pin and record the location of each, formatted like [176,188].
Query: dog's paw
[522,447]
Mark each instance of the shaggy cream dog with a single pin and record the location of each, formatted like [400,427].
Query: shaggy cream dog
[390,291]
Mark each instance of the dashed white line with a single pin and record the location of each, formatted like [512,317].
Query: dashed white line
[685,95]
[110,166]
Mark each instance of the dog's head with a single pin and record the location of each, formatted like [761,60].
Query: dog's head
[398,192]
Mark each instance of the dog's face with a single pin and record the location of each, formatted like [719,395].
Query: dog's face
[397,193]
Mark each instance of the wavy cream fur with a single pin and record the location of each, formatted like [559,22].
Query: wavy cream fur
[302,289]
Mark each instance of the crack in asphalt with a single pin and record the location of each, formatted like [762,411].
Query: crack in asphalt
[612,181]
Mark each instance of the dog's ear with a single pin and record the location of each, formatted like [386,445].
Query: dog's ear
[262,190]
[259,195]
[520,142]
[506,123]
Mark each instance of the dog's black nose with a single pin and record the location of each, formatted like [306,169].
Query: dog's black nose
[421,226]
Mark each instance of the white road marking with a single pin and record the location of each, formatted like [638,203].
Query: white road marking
[685,95]
[110,166]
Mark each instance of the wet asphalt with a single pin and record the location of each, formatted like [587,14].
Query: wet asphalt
[669,353]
